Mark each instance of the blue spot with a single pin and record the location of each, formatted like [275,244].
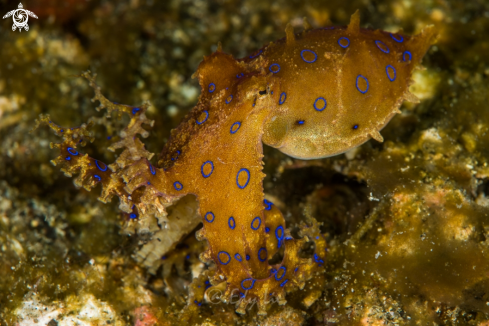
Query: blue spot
[238,257]
[152,169]
[390,72]
[177,185]
[235,127]
[239,75]
[347,42]
[256,219]
[148,183]
[320,108]
[382,47]
[212,87]
[366,80]
[72,151]
[226,256]
[282,98]
[163,257]
[247,180]
[251,286]
[317,260]
[268,203]
[260,254]
[280,237]
[267,229]
[109,137]
[209,217]
[254,56]
[407,53]
[301,122]
[284,282]
[278,272]
[310,51]
[205,119]
[97,177]
[132,216]
[178,154]
[104,168]
[289,238]
[68,158]
[229,99]
[247,257]
[231,223]
[135,110]
[275,69]
[397,40]
[202,169]
[61,130]
[198,303]
[295,270]
[355,127]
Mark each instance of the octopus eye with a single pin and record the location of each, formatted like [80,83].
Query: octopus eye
[262,92]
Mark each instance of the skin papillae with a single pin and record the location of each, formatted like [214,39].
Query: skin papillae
[310,95]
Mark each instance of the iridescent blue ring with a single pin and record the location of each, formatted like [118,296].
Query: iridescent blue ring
[325,104]
[212,87]
[212,217]
[202,169]
[135,110]
[248,257]
[231,223]
[273,65]
[268,203]
[404,56]
[397,40]
[366,80]
[254,56]
[152,169]
[282,98]
[344,46]
[251,286]
[97,177]
[233,130]
[97,163]
[284,282]
[229,99]
[387,72]
[280,237]
[310,51]
[72,151]
[247,180]
[259,254]
[238,257]
[380,48]
[205,119]
[178,185]
[253,222]
[226,254]
[283,274]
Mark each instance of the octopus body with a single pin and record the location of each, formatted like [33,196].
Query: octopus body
[310,95]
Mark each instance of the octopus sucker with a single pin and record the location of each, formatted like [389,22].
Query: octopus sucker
[310,95]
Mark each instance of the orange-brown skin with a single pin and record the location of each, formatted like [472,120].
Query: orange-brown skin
[306,95]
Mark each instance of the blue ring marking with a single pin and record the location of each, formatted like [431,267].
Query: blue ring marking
[239,75]
[355,127]
[289,238]
[404,56]
[231,223]
[97,177]
[68,158]
[301,122]
[366,80]
[223,253]
[210,220]
[247,180]
[72,151]
[135,110]
[344,38]
[280,100]
[251,286]
[212,87]
[202,169]
[229,99]
[273,65]
[178,185]
[253,222]
[238,257]
[254,56]
[268,203]
[259,254]
[283,274]
[248,257]
[325,104]
[284,282]
[233,130]
[380,42]
[310,51]
[267,229]
[280,237]
[98,165]
[273,271]
[132,216]
[397,40]
[152,169]
[387,72]
[205,119]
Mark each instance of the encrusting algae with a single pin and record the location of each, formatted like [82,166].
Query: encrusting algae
[311,95]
